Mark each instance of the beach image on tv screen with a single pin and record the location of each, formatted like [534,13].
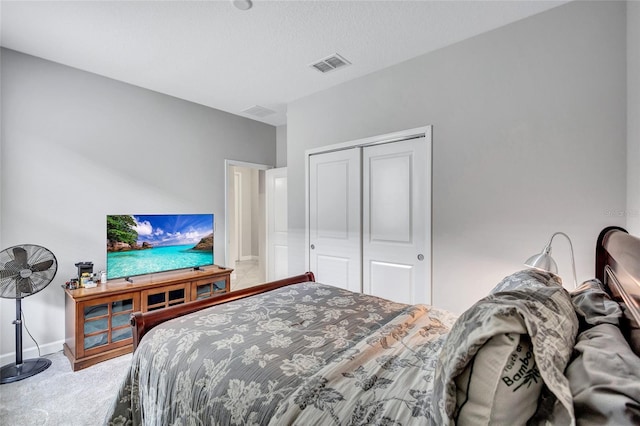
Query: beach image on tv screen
[144,244]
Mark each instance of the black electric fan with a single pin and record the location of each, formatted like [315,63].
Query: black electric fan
[24,270]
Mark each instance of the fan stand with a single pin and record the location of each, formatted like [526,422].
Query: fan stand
[21,369]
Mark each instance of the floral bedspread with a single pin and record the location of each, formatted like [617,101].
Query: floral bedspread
[302,354]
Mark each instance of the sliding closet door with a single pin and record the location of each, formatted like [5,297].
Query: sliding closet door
[335,237]
[396,221]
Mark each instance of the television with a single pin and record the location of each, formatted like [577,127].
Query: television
[146,244]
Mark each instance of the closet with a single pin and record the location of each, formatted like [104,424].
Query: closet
[369,215]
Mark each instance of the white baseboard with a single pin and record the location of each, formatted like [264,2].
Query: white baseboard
[28,353]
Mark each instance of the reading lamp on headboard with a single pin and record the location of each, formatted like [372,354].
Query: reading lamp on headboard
[544,262]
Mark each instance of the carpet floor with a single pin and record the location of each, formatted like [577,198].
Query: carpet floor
[58,396]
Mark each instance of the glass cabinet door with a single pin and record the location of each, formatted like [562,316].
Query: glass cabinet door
[96,325]
[108,322]
[120,312]
[176,296]
[156,301]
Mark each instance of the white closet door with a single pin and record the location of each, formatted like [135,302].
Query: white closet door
[335,254]
[277,224]
[396,221]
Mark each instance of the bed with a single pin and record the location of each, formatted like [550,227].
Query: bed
[300,352]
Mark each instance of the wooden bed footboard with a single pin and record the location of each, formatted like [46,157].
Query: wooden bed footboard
[618,267]
[143,322]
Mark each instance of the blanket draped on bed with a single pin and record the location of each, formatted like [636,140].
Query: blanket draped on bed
[528,302]
[247,361]
[403,374]
[385,379]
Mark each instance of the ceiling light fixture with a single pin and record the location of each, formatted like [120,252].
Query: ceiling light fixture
[242,4]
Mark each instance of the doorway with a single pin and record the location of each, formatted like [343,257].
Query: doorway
[245,223]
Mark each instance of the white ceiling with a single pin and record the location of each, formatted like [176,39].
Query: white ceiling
[213,54]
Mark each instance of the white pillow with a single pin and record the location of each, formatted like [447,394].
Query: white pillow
[501,385]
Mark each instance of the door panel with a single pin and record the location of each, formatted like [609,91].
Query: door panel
[335,218]
[396,221]
[333,206]
[335,270]
[392,281]
[390,198]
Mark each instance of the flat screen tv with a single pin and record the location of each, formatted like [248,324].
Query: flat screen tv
[145,244]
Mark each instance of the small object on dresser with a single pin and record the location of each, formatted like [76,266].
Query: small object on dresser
[103,277]
[84,267]
[72,284]
[86,277]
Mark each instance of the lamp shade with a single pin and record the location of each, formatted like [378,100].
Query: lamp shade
[544,262]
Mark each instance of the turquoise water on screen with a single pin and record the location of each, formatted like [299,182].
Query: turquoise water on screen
[157,259]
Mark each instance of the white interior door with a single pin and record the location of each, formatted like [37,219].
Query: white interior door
[396,221]
[335,255]
[277,224]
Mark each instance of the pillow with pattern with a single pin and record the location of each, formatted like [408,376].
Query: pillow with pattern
[501,385]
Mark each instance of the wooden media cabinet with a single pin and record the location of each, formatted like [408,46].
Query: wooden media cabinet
[97,324]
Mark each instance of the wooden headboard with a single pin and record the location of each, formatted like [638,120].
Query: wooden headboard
[618,267]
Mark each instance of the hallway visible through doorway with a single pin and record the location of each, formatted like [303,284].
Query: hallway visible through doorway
[247,274]
[245,226]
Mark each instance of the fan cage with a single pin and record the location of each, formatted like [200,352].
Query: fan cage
[25,270]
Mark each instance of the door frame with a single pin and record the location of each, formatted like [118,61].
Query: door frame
[417,132]
[227,164]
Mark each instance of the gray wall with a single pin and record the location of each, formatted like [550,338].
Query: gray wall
[529,138]
[77,146]
[281,146]
[633,117]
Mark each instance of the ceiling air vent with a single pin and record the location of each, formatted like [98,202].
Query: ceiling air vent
[259,111]
[330,63]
